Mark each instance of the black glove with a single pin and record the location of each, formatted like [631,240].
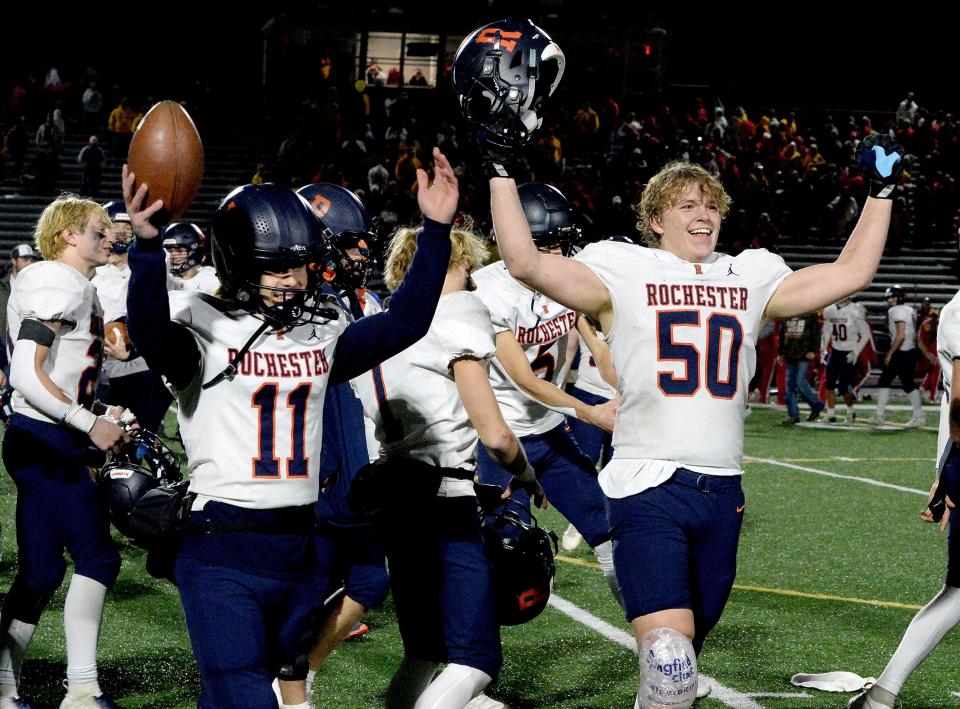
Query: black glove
[493,159]
[881,159]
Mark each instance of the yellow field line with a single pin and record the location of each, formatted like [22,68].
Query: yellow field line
[775,591]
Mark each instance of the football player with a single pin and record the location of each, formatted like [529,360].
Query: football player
[250,369]
[682,322]
[130,383]
[348,548]
[183,242]
[431,404]
[846,333]
[56,324]
[901,359]
[528,373]
[943,612]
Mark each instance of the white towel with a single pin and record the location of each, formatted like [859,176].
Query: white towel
[834,681]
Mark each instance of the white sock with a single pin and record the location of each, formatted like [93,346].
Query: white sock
[924,632]
[409,682]
[453,688]
[13,648]
[82,612]
[604,554]
[914,397]
[883,396]
[311,675]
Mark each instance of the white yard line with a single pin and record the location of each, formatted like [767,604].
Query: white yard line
[729,697]
[829,474]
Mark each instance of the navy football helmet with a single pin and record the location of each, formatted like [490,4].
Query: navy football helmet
[552,219]
[350,227]
[503,74]
[142,465]
[117,211]
[185,235]
[260,228]
[521,555]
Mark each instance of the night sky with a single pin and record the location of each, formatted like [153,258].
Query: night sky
[817,56]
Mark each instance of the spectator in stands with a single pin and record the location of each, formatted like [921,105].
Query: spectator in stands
[799,342]
[91,161]
[15,145]
[44,171]
[378,176]
[120,125]
[418,79]
[405,170]
[375,75]
[907,110]
[588,126]
[927,343]
[49,134]
[92,102]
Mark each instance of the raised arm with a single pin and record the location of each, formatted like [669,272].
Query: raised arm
[375,338]
[564,280]
[167,346]
[816,287]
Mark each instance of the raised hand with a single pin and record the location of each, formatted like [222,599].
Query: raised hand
[139,218]
[438,201]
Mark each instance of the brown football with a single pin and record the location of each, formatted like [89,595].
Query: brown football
[167,155]
[113,331]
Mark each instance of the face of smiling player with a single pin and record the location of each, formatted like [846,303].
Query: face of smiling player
[689,229]
[290,278]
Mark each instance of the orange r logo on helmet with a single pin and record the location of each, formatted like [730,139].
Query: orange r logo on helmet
[320,205]
[488,35]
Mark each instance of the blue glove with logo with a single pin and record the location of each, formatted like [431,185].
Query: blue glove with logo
[881,159]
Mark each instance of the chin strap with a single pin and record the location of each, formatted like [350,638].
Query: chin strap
[231,370]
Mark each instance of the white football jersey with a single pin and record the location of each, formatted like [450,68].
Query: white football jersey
[413,399]
[205,281]
[948,348]
[541,326]
[683,343]
[51,290]
[908,316]
[846,327]
[588,375]
[255,441]
[112,282]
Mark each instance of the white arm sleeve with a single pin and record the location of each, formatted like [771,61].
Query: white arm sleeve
[23,378]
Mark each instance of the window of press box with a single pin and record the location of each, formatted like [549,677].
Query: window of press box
[398,59]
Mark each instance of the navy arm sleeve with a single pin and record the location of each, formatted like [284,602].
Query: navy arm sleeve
[375,338]
[167,346]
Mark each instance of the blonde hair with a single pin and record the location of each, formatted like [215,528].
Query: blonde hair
[467,247]
[68,211]
[664,189]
